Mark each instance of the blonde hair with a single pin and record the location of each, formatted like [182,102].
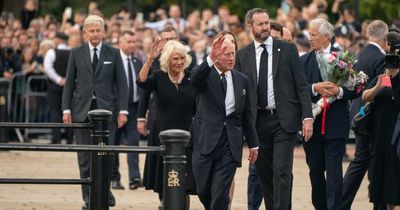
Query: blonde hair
[93,20]
[173,46]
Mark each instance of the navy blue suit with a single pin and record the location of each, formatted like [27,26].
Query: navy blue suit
[129,131]
[217,137]
[325,152]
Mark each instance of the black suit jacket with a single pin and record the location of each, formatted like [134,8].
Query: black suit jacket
[108,83]
[337,116]
[210,118]
[371,61]
[292,99]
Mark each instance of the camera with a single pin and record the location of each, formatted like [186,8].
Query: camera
[392,60]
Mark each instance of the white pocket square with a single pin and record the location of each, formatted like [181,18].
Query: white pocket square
[244,92]
[107,62]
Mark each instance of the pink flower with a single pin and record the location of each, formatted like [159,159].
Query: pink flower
[334,54]
[330,58]
[342,65]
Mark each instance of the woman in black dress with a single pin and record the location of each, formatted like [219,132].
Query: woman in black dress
[174,105]
[384,170]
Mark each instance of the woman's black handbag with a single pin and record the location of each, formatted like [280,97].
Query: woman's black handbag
[361,123]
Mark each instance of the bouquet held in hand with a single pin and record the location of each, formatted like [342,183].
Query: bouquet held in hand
[337,67]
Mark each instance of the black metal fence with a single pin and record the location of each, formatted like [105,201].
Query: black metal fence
[173,151]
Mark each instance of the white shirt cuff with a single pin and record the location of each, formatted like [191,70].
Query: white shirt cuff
[308,118]
[313,91]
[67,111]
[124,112]
[210,62]
[340,96]
[254,148]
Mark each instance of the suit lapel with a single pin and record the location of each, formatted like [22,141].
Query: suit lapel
[86,58]
[103,54]
[253,65]
[237,89]
[276,54]
[136,66]
[315,67]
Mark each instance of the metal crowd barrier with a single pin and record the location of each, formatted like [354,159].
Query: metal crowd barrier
[173,151]
[4,89]
[26,102]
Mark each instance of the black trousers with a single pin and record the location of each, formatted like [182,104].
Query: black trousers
[325,155]
[356,170]
[275,161]
[54,99]
[214,174]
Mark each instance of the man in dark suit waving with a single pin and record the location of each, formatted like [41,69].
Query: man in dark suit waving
[223,114]
[95,79]
[280,102]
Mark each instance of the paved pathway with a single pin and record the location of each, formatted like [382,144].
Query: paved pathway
[64,165]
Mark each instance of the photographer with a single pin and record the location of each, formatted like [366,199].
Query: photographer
[385,166]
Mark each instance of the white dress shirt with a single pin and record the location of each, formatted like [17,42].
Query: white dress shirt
[230,94]
[268,44]
[48,64]
[91,47]
[126,69]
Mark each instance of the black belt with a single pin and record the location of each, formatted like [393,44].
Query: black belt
[134,103]
[267,111]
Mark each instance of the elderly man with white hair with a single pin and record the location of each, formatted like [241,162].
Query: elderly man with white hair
[325,149]
[95,80]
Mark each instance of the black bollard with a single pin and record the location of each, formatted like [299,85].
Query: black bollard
[99,161]
[174,168]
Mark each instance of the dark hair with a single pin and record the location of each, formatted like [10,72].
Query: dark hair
[277,27]
[250,13]
[348,8]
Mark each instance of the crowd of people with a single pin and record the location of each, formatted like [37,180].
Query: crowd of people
[226,81]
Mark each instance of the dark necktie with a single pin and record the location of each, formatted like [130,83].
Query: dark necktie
[95,59]
[131,88]
[262,79]
[223,84]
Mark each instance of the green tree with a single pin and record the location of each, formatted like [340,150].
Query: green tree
[387,10]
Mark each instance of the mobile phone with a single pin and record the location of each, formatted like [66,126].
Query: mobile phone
[68,12]
[139,17]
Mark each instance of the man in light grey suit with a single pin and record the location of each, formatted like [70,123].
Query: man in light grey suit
[95,79]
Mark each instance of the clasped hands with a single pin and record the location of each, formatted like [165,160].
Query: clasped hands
[327,89]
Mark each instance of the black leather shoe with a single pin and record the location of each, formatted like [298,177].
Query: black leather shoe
[111,200]
[116,185]
[136,183]
[85,206]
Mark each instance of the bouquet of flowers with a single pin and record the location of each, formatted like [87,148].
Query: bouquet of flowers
[337,67]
